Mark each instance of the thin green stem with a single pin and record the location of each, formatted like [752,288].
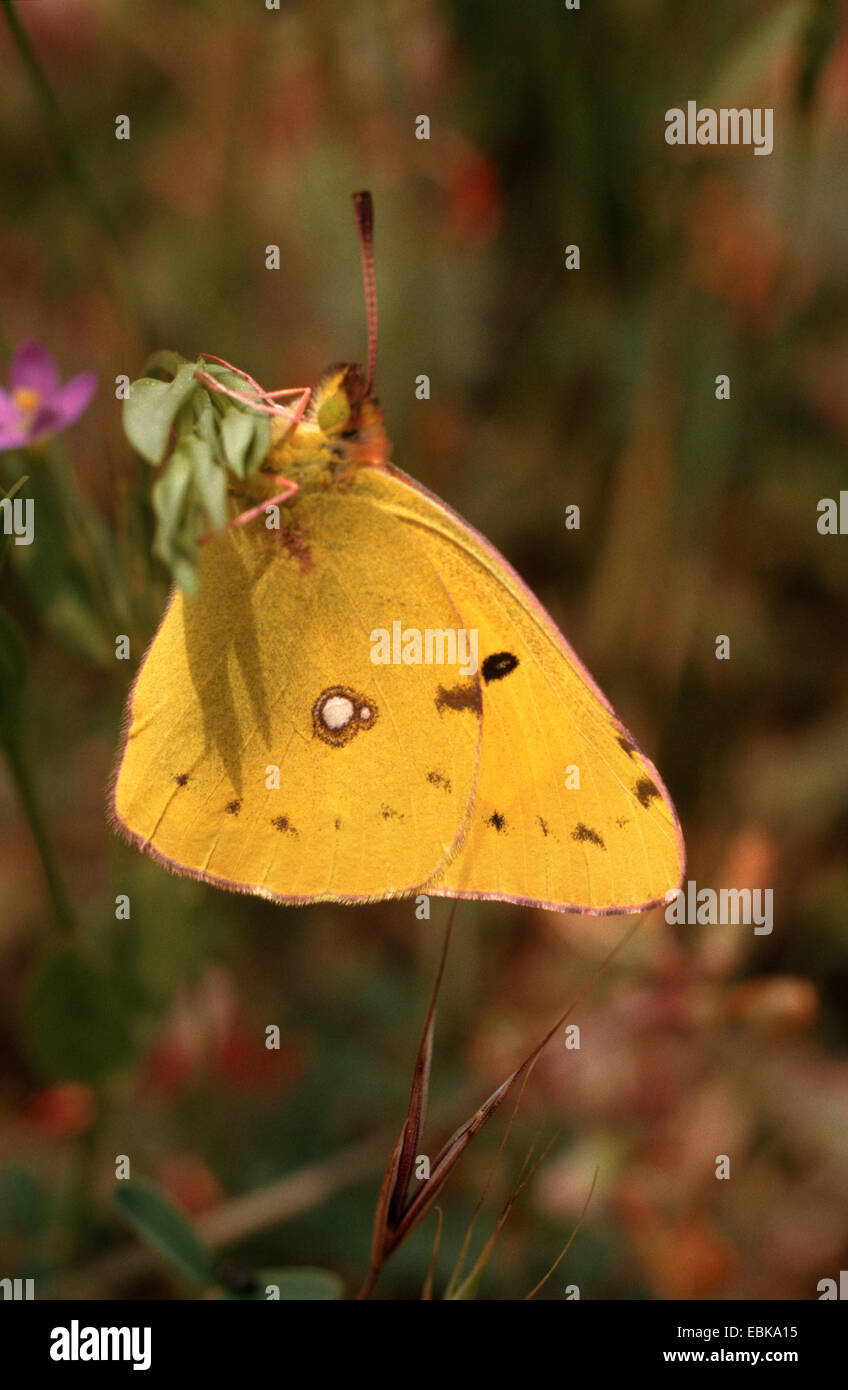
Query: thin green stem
[72,166]
[81,1191]
[89,541]
[25,787]
[46,98]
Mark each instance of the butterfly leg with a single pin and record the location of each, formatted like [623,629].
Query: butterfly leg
[267,403]
[289,490]
[264,401]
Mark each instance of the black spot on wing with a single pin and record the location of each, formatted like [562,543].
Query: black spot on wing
[622,821]
[498,665]
[645,791]
[389,813]
[181,778]
[544,826]
[338,822]
[284,825]
[438,779]
[582,832]
[497,821]
[629,748]
[466,695]
[232,808]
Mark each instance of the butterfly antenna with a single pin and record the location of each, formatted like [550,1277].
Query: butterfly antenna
[363,208]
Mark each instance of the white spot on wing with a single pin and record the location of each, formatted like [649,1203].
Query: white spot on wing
[337,711]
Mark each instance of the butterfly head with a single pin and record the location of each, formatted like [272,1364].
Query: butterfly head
[338,400]
[342,427]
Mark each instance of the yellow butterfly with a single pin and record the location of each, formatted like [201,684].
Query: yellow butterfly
[362,700]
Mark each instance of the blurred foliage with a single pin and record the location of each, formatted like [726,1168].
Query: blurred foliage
[165,1229]
[549,387]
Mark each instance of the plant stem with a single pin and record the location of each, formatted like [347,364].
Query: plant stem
[25,787]
[371,1279]
[89,540]
[82,1183]
[58,129]
[72,166]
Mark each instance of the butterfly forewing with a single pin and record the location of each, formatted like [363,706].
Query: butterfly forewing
[568,812]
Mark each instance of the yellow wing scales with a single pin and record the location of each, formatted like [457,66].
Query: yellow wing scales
[568,812]
[266,751]
[232,688]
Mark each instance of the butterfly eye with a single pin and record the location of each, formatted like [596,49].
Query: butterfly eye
[334,413]
[340,713]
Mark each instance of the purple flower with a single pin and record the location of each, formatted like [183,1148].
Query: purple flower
[36,403]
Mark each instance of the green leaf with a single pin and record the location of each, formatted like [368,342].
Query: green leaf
[227,378]
[72,1029]
[213,434]
[12,672]
[164,1229]
[184,570]
[152,407]
[239,431]
[210,475]
[206,421]
[261,443]
[69,615]
[171,493]
[210,481]
[189,496]
[301,1285]
[165,360]
[24,1202]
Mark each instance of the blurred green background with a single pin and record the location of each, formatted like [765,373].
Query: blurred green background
[549,387]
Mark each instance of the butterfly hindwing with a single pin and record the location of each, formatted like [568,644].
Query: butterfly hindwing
[269,666]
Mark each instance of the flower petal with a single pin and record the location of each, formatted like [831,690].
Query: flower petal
[64,406]
[13,432]
[32,367]
[13,437]
[75,396]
